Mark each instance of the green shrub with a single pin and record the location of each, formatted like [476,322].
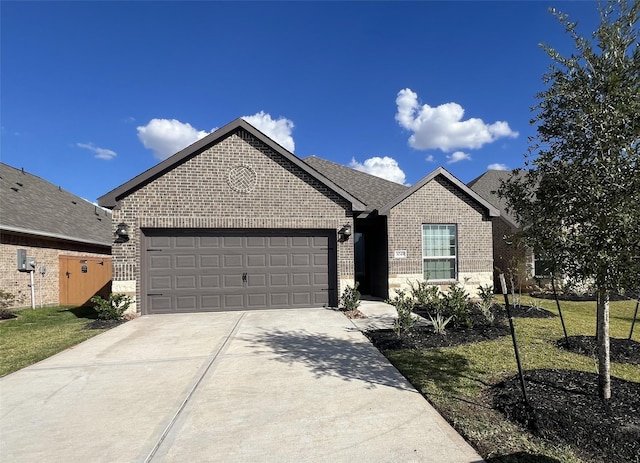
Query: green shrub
[6,299]
[456,304]
[350,299]
[112,308]
[426,295]
[404,306]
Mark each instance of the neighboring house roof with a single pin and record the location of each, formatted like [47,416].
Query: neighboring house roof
[374,191]
[111,199]
[440,171]
[486,186]
[33,206]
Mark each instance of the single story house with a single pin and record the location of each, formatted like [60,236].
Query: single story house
[235,222]
[66,238]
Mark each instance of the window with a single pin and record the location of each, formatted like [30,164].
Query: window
[439,252]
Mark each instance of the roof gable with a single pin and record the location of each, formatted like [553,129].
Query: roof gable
[373,191]
[31,205]
[111,199]
[441,171]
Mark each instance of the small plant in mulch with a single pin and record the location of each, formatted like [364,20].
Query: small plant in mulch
[565,405]
[350,301]
[109,311]
[621,350]
[6,314]
[405,320]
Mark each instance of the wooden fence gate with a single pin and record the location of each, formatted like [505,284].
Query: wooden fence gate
[82,277]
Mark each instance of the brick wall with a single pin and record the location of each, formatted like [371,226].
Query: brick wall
[440,202]
[46,252]
[200,193]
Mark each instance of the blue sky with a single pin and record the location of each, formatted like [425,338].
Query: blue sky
[94,93]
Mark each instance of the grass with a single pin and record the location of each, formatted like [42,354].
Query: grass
[41,333]
[458,380]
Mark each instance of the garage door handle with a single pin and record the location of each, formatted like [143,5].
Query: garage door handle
[244,277]
[155,294]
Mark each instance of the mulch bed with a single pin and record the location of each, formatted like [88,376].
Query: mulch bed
[423,337]
[620,350]
[565,405]
[104,324]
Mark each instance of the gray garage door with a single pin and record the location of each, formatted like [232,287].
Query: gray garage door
[193,271]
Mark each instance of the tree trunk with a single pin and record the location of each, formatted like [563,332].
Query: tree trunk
[604,364]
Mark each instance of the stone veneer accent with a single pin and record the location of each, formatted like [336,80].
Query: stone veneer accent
[440,202]
[197,194]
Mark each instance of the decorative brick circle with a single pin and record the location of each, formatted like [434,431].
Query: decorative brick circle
[242,178]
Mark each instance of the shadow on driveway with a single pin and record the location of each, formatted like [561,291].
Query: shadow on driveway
[351,359]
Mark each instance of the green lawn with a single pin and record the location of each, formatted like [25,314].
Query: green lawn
[457,380]
[40,333]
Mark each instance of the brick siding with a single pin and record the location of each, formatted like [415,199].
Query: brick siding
[198,194]
[440,202]
[47,253]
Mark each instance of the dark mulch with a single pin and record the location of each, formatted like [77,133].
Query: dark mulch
[565,405]
[620,350]
[423,337]
[104,324]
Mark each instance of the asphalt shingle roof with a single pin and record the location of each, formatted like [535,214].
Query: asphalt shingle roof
[486,186]
[29,204]
[374,191]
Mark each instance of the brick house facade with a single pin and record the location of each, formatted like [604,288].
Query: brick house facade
[237,187]
[51,225]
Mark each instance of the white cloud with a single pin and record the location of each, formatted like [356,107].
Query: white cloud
[457,157]
[166,137]
[278,130]
[385,167]
[442,127]
[430,158]
[100,153]
[497,166]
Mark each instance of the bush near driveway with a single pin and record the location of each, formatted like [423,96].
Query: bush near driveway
[40,333]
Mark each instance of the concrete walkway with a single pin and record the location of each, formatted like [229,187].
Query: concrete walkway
[270,386]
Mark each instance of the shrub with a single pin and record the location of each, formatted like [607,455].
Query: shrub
[6,314]
[6,299]
[350,299]
[486,302]
[456,304]
[426,295]
[112,308]
[404,306]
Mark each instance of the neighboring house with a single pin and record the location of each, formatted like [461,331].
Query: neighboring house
[235,221]
[67,238]
[507,254]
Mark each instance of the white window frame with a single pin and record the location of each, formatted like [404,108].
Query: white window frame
[453,257]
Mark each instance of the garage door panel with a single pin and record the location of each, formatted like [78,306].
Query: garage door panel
[256,260]
[186,262]
[232,261]
[232,281]
[186,282]
[210,281]
[210,271]
[233,301]
[209,261]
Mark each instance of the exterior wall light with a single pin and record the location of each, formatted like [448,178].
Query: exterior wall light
[345,232]
[122,233]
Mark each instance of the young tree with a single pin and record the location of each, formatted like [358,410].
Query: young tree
[578,195]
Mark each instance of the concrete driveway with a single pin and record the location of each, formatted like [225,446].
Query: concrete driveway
[270,386]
